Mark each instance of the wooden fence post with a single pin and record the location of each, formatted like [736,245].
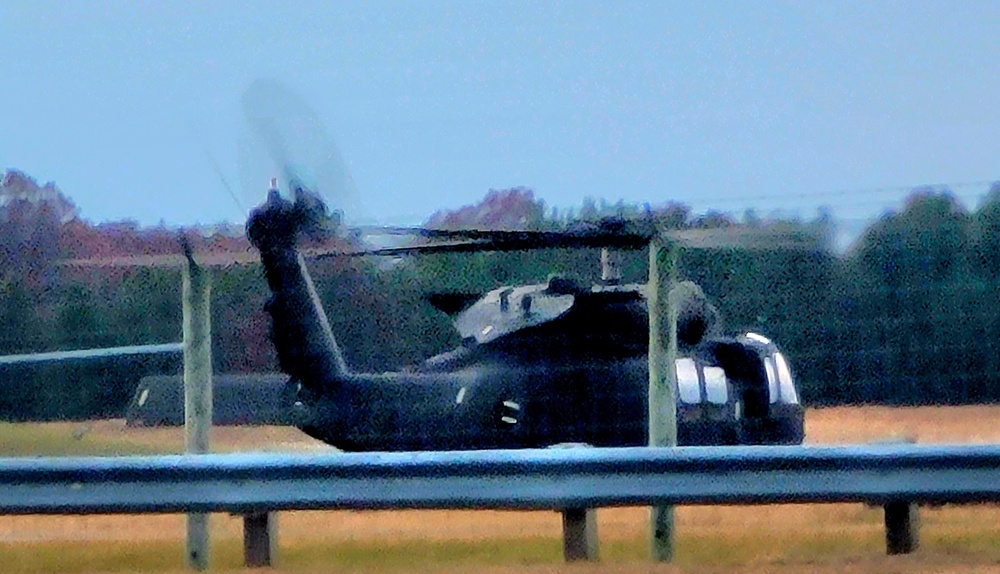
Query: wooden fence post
[662,379]
[197,389]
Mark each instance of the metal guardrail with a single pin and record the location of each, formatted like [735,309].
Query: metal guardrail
[895,476]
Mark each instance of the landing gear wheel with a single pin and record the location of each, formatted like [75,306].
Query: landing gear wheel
[296,413]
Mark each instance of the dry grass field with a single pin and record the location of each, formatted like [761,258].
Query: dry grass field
[795,538]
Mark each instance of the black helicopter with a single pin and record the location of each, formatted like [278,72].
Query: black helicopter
[539,365]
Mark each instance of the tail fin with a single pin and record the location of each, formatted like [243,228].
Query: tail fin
[302,336]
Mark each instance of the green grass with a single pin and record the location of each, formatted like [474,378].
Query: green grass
[27,439]
[397,556]
[158,556]
[694,553]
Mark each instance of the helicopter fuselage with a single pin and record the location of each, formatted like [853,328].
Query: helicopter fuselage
[539,366]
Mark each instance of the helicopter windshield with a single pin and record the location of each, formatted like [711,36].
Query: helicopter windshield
[687,381]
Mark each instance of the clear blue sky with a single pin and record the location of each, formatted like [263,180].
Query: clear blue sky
[721,105]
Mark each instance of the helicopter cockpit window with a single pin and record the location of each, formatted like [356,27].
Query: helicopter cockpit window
[716,385]
[688,387]
[772,379]
[788,393]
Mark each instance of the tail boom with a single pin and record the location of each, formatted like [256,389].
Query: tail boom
[301,330]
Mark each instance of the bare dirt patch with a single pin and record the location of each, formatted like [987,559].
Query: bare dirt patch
[965,424]
[222,438]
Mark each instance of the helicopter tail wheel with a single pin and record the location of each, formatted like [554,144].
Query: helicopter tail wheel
[297,412]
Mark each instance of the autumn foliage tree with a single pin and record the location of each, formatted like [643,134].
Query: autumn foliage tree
[910,315]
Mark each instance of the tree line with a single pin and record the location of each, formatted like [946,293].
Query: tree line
[909,315]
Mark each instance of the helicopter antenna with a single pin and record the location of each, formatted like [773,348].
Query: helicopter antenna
[216,168]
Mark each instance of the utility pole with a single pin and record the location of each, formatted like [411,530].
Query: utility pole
[663,256]
[197,388]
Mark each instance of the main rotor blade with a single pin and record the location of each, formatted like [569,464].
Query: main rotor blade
[475,240]
[175,261]
[444,247]
[480,240]
[611,229]
[744,239]
[470,240]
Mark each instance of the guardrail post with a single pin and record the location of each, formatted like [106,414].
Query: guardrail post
[662,378]
[902,527]
[260,539]
[197,389]
[580,534]
[580,540]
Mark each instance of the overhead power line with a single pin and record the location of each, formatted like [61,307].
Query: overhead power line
[866,191]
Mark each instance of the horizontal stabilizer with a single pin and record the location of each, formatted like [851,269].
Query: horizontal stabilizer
[82,354]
